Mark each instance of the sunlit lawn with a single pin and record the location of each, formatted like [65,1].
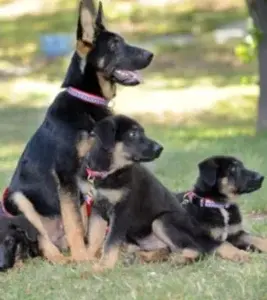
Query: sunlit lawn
[225,129]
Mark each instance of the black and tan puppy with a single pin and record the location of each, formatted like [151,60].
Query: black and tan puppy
[213,205]
[18,241]
[45,182]
[138,204]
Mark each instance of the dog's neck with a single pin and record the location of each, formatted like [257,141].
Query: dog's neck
[203,190]
[86,80]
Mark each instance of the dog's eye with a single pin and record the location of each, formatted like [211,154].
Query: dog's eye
[233,169]
[133,134]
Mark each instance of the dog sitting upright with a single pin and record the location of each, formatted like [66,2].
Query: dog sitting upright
[45,182]
[212,204]
[133,201]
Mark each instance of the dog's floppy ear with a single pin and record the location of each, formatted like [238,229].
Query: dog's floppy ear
[208,171]
[24,229]
[105,132]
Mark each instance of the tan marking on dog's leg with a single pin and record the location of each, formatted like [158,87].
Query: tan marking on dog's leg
[159,230]
[230,252]
[158,255]
[84,216]
[186,256]
[73,226]
[108,88]
[258,242]
[96,235]
[108,259]
[50,251]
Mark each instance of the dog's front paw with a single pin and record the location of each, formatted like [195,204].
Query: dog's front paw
[60,259]
[99,268]
[80,256]
[186,256]
[229,252]
[239,256]
[259,243]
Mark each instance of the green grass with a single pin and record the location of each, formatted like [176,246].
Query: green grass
[221,130]
[211,279]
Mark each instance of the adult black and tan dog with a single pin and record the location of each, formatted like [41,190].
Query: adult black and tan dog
[45,181]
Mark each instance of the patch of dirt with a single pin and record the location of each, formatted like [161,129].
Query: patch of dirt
[258,216]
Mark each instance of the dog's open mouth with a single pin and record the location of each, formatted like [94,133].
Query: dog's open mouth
[126,77]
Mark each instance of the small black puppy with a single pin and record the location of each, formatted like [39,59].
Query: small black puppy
[140,204]
[212,204]
[18,241]
[45,182]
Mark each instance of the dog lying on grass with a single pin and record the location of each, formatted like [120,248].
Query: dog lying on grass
[213,205]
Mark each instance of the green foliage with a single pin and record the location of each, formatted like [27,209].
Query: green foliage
[246,51]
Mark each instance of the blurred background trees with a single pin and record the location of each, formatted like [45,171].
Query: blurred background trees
[258,13]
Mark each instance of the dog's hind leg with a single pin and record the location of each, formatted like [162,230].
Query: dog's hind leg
[181,244]
[49,250]
[244,240]
[85,219]
[73,224]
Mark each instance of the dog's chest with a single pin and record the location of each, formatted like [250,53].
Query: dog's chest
[229,223]
[113,196]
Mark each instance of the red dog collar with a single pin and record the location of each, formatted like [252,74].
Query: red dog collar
[191,196]
[3,210]
[95,174]
[86,97]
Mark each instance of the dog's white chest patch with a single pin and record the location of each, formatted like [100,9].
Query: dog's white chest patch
[221,233]
[113,195]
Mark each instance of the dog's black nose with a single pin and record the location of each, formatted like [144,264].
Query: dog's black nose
[259,178]
[157,149]
[148,56]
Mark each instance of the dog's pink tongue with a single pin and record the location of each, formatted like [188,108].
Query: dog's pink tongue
[136,75]
[129,75]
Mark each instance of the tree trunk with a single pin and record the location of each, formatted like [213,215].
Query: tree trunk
[262,106]
[258,12]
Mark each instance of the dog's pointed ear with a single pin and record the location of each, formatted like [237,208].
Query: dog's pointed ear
[99,22]
[208,171]
[85,28]
[105,132]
